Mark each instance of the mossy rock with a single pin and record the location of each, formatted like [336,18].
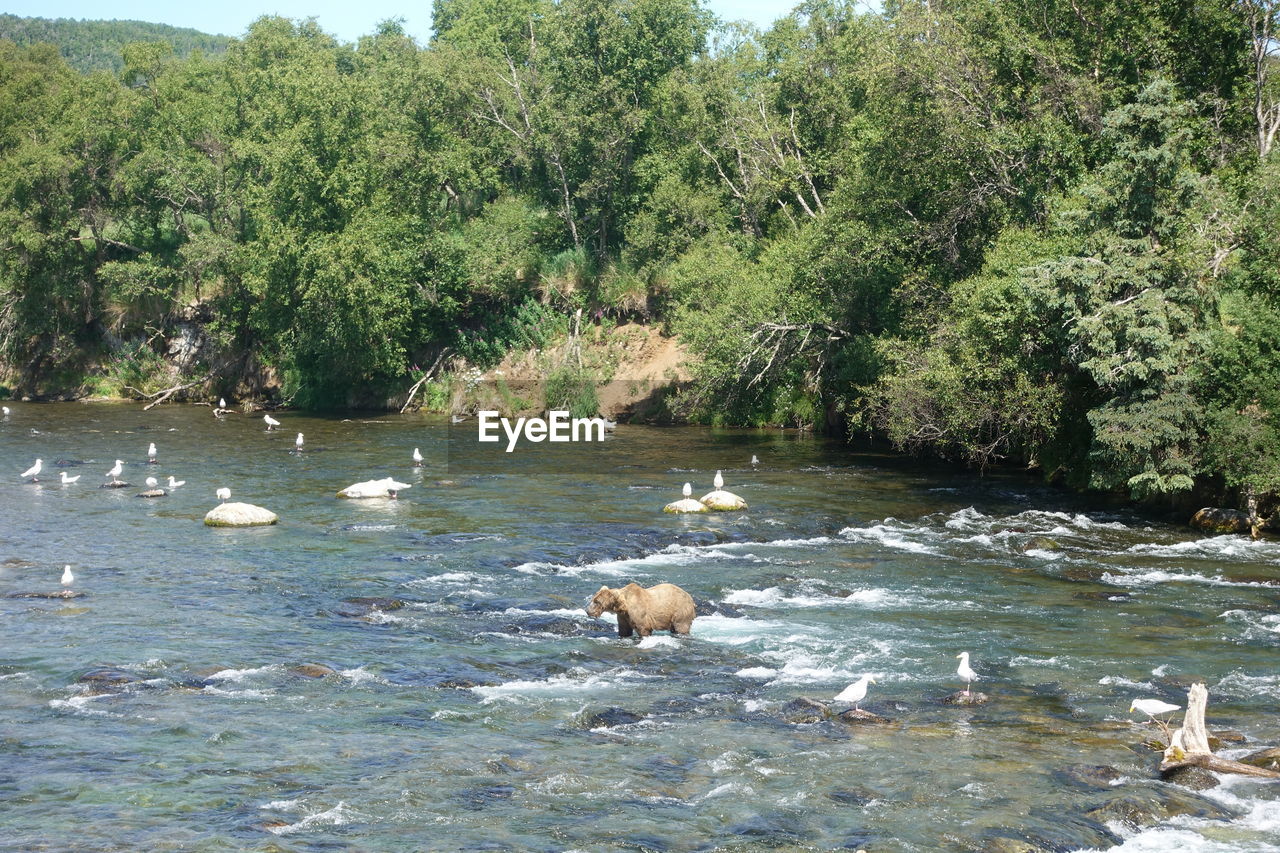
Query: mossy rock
[962,698]
[722,501]
[1267,759]
[685,505]
[1218,520]
[239,515]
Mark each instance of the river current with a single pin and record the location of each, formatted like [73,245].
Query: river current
[420,673]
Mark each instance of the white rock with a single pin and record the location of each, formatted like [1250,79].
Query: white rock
[721,500]
[384,488]
[239,515]
[685,505]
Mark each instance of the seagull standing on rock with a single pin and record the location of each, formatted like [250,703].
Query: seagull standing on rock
[67,578]
[718,481]
[33,472]
[114,473]
[223,494]
[151,453]
[855,692]
[965,671]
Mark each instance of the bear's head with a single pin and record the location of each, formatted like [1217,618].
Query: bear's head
[605,599]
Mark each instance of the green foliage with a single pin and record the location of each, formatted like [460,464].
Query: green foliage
[569,389]
[101,45]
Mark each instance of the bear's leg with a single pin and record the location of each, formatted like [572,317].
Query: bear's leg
[624,625]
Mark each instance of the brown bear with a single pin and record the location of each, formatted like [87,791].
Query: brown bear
[665,607]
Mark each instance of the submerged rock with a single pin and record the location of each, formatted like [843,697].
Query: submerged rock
[1195,778]
[855,716]
[962,698]
[722,501]
[1218,520]
[152,493]
[118,484]
[1147,808]
[62,593]
[1089,775]
[804,710]
[610,717]
[685,505]
[239,515]
[357,607]
[313,670]
[108,676]
[1267,759]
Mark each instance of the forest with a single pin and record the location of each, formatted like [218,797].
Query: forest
[99,45]
[989,231]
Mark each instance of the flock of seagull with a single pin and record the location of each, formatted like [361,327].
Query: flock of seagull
[852,695]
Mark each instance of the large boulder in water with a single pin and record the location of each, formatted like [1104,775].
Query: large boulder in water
[1218,520]
[722,501]
[387,487]
[239,515]
[685,505]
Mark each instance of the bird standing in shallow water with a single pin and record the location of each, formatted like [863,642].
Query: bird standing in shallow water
[755,460]
[66,481]
[417,458]
[271,422]
[965,671]
[33,472]
[151,453]
[173,484]
[297,443]
[855,692]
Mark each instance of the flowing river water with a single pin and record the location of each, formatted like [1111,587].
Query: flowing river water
[473,705]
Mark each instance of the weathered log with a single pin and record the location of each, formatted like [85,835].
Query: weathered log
[1189,745]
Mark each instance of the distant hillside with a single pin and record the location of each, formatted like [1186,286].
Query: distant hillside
[97,45]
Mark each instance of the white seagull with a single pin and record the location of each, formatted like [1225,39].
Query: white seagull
[855,692]
[66,481]
[173,484]
[417,458]
[67,578]
[5,409]
[271,422]
[114,473]
[1151,707]
[151,482]
[718,482]
[222,402]
[224,494]
[151,453]
[687,491]
[297,443]
[965,671]
[33,472]
[755,460]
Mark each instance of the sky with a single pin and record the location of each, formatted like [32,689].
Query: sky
[347,20]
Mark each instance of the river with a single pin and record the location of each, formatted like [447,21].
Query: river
[472,704]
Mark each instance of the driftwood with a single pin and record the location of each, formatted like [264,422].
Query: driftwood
[160,396]
[413,392]
[1189,745]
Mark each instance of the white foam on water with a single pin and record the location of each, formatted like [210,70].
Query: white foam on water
[360,675]
[1247,686]
[756,672]
[448,579]
[1159,576]
[1255,622]
[1121,681]
[1160,671]
[656,641]
[723,790]
[564,686]
[772,543]
[239,675]
[1042,554]
[336,816]
[890,537]
[81,705]
[281,805]
[1025,660]
[238,694]
[672,555]
[1165,840]
[737,630]
[1230,545]
[566,612]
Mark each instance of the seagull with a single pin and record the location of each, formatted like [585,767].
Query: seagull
[687,491]
[457,419]
[855,692]
[114,473]
[417,458]
[33,472]
[5,410]
[718,482]
[271,422]
[173,484]
[67,578]
[1151,707]
[222,402]
[151,453]
[965,671]
[224,494]
[609,425]
[297,443]
[151,482]
[66,481]
[755,460]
